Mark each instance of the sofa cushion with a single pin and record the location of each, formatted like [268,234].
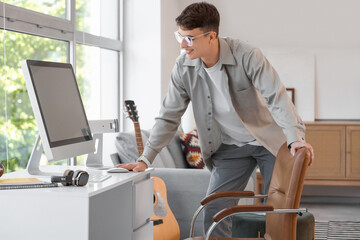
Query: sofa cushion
[176,151]
[126,147]
[164,159]
[192,150]
[248,225]
[185,190]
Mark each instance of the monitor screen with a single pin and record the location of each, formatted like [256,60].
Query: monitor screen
[60,103]
[58,108]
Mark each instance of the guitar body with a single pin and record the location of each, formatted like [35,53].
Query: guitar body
[165,224]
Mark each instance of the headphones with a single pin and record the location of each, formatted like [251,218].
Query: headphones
[2,169]
[71,178]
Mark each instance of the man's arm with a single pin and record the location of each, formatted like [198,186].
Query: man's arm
[266,80]
[166,125]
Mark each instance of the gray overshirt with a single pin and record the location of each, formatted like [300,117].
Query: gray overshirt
[258,96]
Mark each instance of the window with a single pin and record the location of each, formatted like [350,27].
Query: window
[56,8]
[97,18]
[90,41]
[97,72]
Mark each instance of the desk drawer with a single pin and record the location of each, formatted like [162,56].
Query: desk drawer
[143,198]
[144,233]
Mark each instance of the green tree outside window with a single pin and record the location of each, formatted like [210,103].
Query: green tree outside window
[18,128]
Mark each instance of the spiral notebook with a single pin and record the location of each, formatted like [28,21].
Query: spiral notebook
[24,183]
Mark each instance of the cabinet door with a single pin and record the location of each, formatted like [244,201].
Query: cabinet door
[329,150]
[143,196]
[353,152]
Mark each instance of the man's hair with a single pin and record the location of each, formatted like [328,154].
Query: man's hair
[200,15]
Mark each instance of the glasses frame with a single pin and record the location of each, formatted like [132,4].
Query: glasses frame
[188,39]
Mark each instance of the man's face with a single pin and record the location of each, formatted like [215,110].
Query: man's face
[200,45]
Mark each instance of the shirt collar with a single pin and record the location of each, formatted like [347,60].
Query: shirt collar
[226,56]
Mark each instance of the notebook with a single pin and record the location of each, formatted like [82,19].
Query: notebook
[24,183]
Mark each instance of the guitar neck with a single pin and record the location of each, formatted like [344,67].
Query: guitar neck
[139,142]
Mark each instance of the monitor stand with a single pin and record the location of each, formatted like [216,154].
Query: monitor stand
[33,166]
[94,160]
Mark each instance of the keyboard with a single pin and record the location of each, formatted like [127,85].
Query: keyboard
[95,177]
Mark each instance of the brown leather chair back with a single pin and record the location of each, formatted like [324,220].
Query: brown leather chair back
[285,192]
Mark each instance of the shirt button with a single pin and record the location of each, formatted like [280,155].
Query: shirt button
[210,142]
[209,129]
[208,96]
[209,113]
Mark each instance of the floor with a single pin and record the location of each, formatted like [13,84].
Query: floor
[333,210]
[335,218]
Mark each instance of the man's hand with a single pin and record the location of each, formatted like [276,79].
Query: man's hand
[135,167]
[297,145]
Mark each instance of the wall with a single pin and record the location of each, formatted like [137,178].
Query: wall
[142,59]
[150,51]
[323,32]
[169,46]
[326,30]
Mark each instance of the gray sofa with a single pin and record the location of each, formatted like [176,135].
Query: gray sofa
[186,187]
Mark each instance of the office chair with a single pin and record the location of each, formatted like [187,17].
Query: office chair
[283,199]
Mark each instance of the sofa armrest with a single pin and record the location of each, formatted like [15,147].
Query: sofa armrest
[115,159]
[185,190]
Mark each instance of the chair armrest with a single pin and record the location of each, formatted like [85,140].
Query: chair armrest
[230,211]
[237,209]
[231,194]
[227,194]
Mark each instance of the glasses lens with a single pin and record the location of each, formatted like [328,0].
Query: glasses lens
[178,37]
[188,41]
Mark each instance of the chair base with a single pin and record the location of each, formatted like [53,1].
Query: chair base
[248,225]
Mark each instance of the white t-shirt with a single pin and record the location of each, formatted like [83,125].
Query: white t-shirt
[233,131]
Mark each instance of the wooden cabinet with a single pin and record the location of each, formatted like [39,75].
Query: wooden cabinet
[337,153]
[353,152]
[329,146]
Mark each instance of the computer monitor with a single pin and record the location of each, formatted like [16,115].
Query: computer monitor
[58,109]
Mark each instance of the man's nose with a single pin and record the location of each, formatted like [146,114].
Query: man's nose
[183,44]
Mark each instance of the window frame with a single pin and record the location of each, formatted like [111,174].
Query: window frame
[39,24]
[31,22]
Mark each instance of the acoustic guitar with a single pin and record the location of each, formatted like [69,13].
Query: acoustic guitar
[165,225]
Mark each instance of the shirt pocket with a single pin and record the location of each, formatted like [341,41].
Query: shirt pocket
[242,89]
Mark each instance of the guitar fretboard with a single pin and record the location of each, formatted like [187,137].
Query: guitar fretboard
[138,137]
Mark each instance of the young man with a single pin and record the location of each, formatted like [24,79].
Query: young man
[242,112]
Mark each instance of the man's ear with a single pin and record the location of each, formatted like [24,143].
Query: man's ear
[213,35]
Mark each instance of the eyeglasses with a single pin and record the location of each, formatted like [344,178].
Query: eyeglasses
[187,39]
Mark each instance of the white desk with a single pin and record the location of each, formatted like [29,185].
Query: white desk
[117,208]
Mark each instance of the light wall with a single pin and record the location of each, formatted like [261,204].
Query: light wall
[142,59]
[317,40]
[323,31]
